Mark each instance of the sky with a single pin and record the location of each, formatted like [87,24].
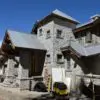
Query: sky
[20,15]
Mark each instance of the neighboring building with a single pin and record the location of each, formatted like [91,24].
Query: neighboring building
[53,31]
[23,60]
[83,54]
[89,33]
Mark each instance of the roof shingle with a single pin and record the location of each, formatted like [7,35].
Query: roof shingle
[25,40]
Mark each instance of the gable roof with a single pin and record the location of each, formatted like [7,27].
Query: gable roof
[25,40]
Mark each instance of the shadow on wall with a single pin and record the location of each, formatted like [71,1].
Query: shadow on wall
[93,64]
[89,64]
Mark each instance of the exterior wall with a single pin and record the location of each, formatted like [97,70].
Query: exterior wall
[9,69]
[82,40]
[48,42]
[64,23]
[53,44]
[66,35]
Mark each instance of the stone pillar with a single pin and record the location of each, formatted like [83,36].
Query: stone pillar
[10,72]
[23,78]
[23,71]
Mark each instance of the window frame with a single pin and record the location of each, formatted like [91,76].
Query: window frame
[40,32]
[48,35]
[88,38]
[60,59]
[59,34]
[48,58]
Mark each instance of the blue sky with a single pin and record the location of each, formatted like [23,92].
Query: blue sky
[20,15]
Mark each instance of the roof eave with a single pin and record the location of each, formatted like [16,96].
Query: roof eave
[52,14]
[82,28]
[68,48]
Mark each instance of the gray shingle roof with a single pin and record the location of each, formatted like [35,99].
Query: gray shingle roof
[59,13]
[81,50]
[84,24]
[89,22]
[25,40]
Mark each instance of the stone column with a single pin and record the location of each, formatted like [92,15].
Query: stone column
[23,71]
[10,72]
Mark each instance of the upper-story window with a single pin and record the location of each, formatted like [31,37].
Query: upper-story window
[88,37]
[40,32]
[48,58]
[80,38]
[59,33]
[59,58]
[48,34]
[68,63]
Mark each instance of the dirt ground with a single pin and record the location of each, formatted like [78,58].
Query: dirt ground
[15,94]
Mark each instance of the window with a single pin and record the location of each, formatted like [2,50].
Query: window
[5,68]
[48,34]
[80,40]
[59,58]
[40,32]
[80,37]
[59,33]
[48,58]
[88,37]
[68,63]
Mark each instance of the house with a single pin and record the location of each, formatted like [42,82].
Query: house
[69,45]
[23,61]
